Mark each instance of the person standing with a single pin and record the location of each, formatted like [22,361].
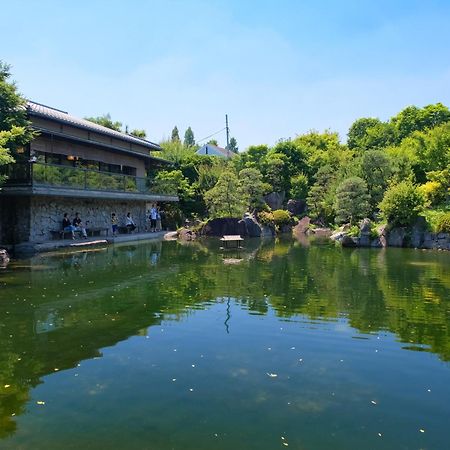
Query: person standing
[158,219]
[114,224]
[153,217]
[78,224]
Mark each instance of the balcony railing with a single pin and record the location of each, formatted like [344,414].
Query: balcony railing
[51,175]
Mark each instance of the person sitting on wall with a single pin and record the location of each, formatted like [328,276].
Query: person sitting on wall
[114,224]
[67,226]
[78,224]
[129,223]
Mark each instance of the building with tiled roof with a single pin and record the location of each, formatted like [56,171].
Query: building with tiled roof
[74,165]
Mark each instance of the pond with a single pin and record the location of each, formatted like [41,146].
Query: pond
[181,346]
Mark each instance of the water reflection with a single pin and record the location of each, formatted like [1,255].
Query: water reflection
[60,309]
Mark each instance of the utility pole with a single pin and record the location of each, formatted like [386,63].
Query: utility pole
[228,135]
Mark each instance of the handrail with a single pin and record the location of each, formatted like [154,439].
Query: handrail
[67,177]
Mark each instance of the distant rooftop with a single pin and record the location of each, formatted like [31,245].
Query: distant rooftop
[223,151]
[40,110]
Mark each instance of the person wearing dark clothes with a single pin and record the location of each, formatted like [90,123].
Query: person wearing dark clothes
[78,224]
[67,226]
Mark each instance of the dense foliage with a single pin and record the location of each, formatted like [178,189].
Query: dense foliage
[392,170]
[15,131]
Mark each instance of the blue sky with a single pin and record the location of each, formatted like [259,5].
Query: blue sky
[278,68]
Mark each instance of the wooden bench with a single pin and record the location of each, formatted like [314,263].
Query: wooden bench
[122,229]
[232,238]
[91,231]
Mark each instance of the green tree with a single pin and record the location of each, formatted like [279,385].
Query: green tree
[232,146]
[352,201]
[369,134]
[252,187]
[175,135]
[213,142]
[321,195]
[5,155]
[106,121]
[376,171]
[173,182]
[358,131]
[174,151]
[225,199]
[402,203]
[189,140]
[299,187]
[413,119]
[277,171]
[253,156]
[139,133]
[15,129]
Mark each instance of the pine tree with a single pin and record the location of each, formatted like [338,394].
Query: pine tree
[232,146]
[189,140]
[175,134]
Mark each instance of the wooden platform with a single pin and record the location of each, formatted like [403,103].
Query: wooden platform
[232,239]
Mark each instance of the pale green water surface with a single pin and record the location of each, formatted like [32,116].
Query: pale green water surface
[170,346]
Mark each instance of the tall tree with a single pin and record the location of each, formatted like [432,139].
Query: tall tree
[370,134]
[232,146]
[15,130]
[106,121]
[252,187]
[225,199]
[175,134]
[189,140]
[352,201]
[376,171]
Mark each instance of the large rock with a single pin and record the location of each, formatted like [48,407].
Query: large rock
[296,207]
[348,241]
[364,233]
[222,226]
[186,235]
[383,235]
[275,200]
[338,236]
[4,258]
[365,226]
[418,231]
[251,226]
[302,226]
[396,237]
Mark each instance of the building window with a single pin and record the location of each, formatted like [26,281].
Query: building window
[127,170]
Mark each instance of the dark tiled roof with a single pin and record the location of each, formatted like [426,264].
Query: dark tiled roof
[37,109]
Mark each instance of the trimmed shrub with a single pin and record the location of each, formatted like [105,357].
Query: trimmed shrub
[281,217]
[402,203]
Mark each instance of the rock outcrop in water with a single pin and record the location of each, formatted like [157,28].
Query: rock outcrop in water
[416,237]
[246,227]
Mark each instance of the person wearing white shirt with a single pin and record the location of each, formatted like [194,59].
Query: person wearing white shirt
[153,217]
[129,223]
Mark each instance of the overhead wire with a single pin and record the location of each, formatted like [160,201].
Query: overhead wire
[211,135]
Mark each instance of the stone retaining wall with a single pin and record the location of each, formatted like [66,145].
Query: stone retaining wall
[46,213]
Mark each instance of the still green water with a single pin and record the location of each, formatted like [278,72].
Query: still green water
[281,345]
